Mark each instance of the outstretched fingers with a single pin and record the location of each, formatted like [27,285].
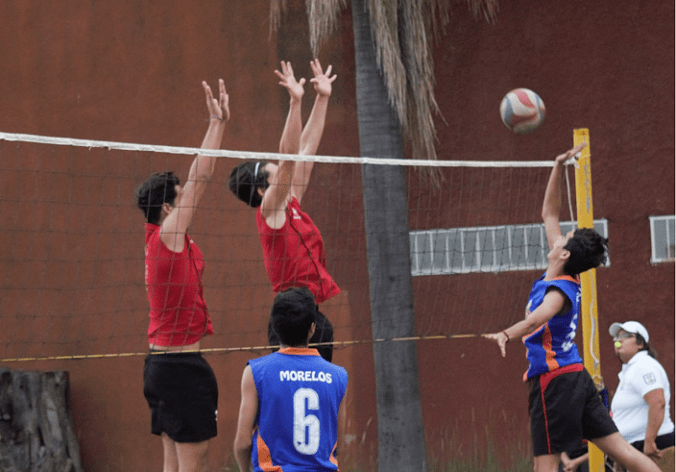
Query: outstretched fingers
[322,80]
[288,81]
[217,108]
[224,101]
[207,92]
[319,73]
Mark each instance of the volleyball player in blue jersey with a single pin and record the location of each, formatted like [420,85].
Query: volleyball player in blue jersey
[288,417]
[565,407]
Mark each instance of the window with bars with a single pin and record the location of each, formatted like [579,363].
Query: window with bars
[662,238]
[485,248]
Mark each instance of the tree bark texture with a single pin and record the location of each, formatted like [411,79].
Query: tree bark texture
[36,432]
[400,428]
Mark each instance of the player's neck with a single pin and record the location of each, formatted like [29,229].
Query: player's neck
[554,271]
[286,346]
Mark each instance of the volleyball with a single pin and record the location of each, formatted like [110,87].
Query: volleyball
[522,110]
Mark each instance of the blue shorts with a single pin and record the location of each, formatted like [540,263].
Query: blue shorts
[182,394]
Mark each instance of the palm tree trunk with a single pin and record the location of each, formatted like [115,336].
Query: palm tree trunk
[400,428]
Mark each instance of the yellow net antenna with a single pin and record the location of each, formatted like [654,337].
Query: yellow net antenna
[588,304]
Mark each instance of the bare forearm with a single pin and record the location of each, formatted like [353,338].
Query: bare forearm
[551,205]
[290,141]
[655,419]
[202,167]
[314,128]
[522,328]
[242,457]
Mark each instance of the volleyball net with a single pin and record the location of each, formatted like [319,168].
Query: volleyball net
[72,266]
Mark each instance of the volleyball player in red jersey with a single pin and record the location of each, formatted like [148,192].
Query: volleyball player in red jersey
[293,248]
[564,405]
[178,383]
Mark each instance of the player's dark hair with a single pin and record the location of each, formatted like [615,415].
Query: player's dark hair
[587,250]
[292,315]
[645,346]
[246,178]
[160,188]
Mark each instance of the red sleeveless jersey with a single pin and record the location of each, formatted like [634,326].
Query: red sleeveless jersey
[294,254]
[178,312]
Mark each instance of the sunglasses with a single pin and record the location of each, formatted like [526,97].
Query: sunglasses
[624,336]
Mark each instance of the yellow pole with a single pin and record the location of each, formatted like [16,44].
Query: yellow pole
[588,306]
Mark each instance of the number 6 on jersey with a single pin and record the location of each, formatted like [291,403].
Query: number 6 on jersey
[305,427]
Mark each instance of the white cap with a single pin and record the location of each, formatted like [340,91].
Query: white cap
[633,327]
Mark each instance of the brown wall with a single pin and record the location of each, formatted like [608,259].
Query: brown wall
[71,280]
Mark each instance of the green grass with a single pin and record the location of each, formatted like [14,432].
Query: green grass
[489,463]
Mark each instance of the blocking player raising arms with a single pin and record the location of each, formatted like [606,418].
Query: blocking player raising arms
[178,383]
[293,248]
[564,404]
[288,417]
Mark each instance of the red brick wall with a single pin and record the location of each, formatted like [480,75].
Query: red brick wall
[125,71]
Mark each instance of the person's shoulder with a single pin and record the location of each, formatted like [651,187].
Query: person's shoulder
[338,369]
[643,360]
[268,358]
[152,228]
[152,234]
[642,365]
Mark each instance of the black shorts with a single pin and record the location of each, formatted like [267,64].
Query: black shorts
[567,410]
[182,394]
[323,334]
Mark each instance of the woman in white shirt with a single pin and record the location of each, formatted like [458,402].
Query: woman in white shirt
[640,406]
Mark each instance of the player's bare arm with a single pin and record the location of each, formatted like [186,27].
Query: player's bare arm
[552,304]
[177,222]
[656,403]
[314,128]
[273,205]
[245,424]
[551,206]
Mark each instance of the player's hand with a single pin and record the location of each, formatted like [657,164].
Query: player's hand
[567,463]
[322,80]
[217,108]
[566,156]
[500,338]
[650,450]
[289,82]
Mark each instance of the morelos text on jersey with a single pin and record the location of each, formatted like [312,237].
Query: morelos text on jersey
[304,376]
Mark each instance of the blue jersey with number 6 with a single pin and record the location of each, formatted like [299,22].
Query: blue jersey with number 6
[299,394]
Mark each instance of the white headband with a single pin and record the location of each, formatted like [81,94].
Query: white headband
[256,170]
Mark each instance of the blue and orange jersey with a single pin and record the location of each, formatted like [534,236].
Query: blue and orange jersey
[299,395]
[552,345]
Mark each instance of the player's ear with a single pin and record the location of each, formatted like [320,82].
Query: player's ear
[166,208]
[261,191]
[565,255]
[312,331]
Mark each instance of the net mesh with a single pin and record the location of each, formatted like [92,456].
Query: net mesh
[73,273]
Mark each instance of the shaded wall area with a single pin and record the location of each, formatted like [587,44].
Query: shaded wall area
[72,271]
